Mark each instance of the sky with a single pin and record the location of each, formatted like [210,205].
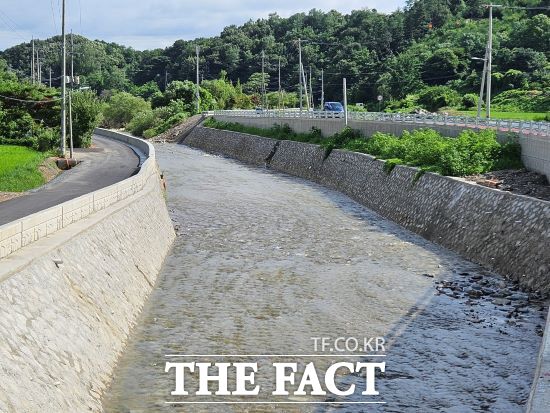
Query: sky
[149,24]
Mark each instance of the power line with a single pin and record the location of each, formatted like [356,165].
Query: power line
[30,101]
[53,17]
[9,26]
[12,21]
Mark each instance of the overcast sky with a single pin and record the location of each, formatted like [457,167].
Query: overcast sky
[148,24]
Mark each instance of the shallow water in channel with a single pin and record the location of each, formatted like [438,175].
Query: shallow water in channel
[263,262]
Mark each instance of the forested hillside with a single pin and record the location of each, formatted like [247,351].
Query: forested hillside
[419,56]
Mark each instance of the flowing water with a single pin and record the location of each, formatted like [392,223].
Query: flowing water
[264,262]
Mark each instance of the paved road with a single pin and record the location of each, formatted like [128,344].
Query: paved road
[105,164]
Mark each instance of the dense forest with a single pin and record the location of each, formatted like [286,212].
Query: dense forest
[418,57]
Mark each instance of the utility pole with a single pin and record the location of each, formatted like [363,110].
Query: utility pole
[165,79]
[280,93]
[489,61]
[37,66]
[345,101]
[62,146]
[32,61]
[263,80]
[311,90]
[197,94]
[481,90]
[300,70]
[71,149]
[305,86]
[322,89]
[50,77]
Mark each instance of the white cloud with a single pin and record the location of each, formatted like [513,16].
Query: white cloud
[145,24]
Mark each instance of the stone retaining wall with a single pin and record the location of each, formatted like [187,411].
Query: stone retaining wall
[247,148]
[504,232]
[69,298]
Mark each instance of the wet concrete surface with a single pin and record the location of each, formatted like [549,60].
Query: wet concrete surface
[264,262]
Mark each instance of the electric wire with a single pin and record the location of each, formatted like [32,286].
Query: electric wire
[29,100]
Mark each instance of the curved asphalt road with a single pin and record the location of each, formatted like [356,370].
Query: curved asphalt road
[106,163]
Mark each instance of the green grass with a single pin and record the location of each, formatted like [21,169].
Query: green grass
[19,168]
[536,116]
[279,132]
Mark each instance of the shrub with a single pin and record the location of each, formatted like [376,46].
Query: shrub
[121,108]
[522,101]
[423,147]
[47,139]
[87,110]
[471,153]
[435,97]
[384,145]
[469,100]
[141,122]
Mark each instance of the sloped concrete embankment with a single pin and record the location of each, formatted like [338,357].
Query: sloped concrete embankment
[72,281]
[504,232]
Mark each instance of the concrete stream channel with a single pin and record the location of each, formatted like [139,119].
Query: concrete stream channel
[264,261]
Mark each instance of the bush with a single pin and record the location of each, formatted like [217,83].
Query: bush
[283,132]
[436,97]
[522,101]
[469,100]
[121,109]
[383,145]
[471,153]
[47,139]
[406,105]
[87,110]
[141,122]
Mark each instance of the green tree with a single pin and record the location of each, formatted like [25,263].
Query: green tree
[86,110]
[436,97]
[121,108]
[442,65]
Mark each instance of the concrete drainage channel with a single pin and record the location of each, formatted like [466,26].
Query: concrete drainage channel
[503,232]
[73,279]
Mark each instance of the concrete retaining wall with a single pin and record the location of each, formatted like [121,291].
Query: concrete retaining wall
[504,232]
[71,286]
[535,149]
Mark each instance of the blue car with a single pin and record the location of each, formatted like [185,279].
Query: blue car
[333,107]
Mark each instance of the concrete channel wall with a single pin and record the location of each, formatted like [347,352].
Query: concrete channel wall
[73,279]
[535,148]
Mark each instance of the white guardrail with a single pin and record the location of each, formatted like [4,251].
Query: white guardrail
[502,125]
[18,234]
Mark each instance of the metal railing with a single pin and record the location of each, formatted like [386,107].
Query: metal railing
[501,125]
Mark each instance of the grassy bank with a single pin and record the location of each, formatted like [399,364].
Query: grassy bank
[283,132]
[527,116]
[472,152]
[19,168]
